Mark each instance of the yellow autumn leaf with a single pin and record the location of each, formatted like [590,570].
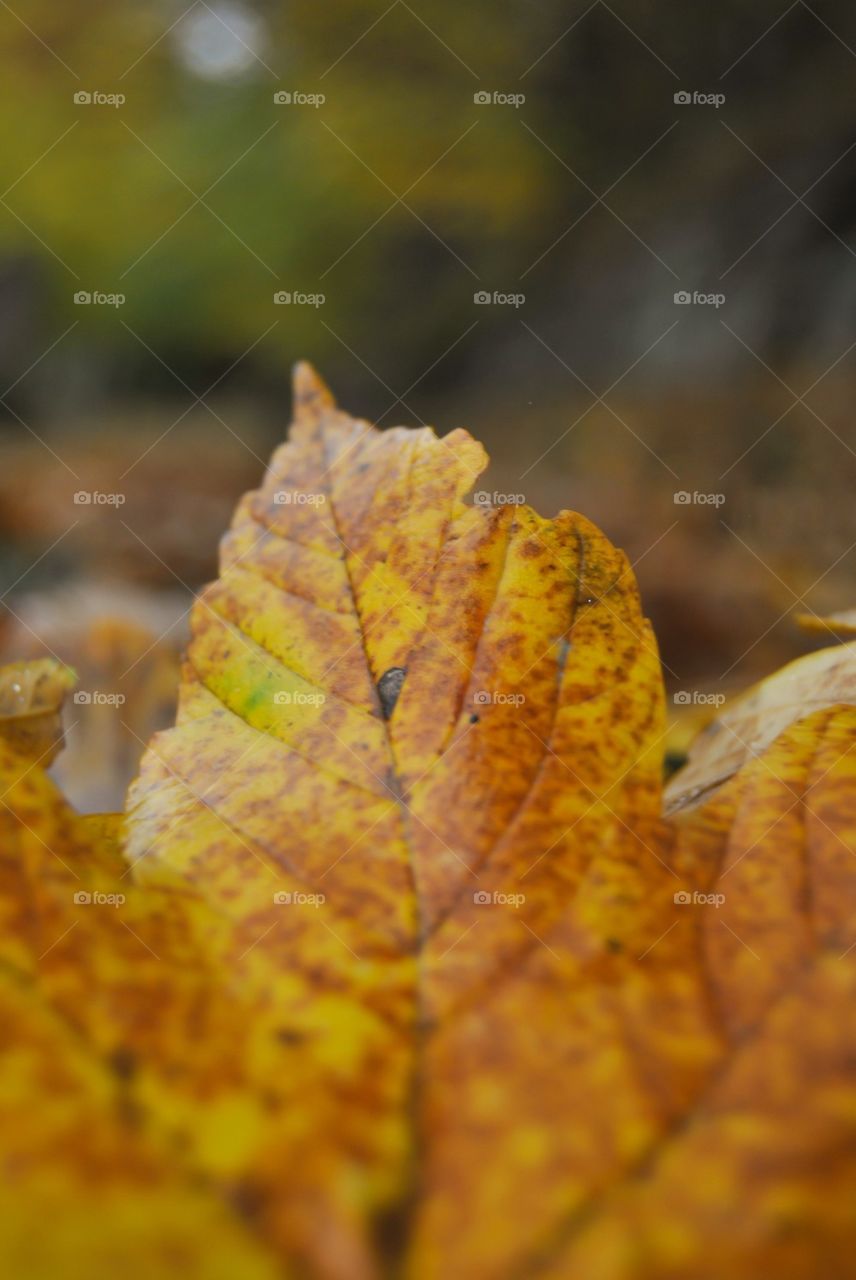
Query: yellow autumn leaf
[405,725]
[103,992]
[394,967]
[757,1175]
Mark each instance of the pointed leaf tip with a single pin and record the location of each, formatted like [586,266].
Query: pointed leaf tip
[312,396]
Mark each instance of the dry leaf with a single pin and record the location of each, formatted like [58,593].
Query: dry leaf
[842,626]
[757,1175]
[114,1017]
[409,976]
[31,699]
[523,731]
[124,647]
[753,720]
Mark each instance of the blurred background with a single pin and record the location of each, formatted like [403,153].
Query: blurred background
[615,241]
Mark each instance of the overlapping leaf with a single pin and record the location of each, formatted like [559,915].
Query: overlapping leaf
[758,1175]
[752,721]
[117,1018]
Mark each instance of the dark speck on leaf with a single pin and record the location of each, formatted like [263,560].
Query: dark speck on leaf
[247,1200]
[285,1035]
[474,718]
[672,762]
[388,689]
[123,1063]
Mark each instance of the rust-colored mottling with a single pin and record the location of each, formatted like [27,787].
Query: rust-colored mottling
[403,702]
[404,982]
[757,1175]
[109,1017]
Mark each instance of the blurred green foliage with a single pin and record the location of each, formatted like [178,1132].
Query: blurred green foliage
[399,196]
[287,190]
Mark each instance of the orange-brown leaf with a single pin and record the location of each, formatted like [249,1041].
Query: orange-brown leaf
[445,720]
[409,976]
